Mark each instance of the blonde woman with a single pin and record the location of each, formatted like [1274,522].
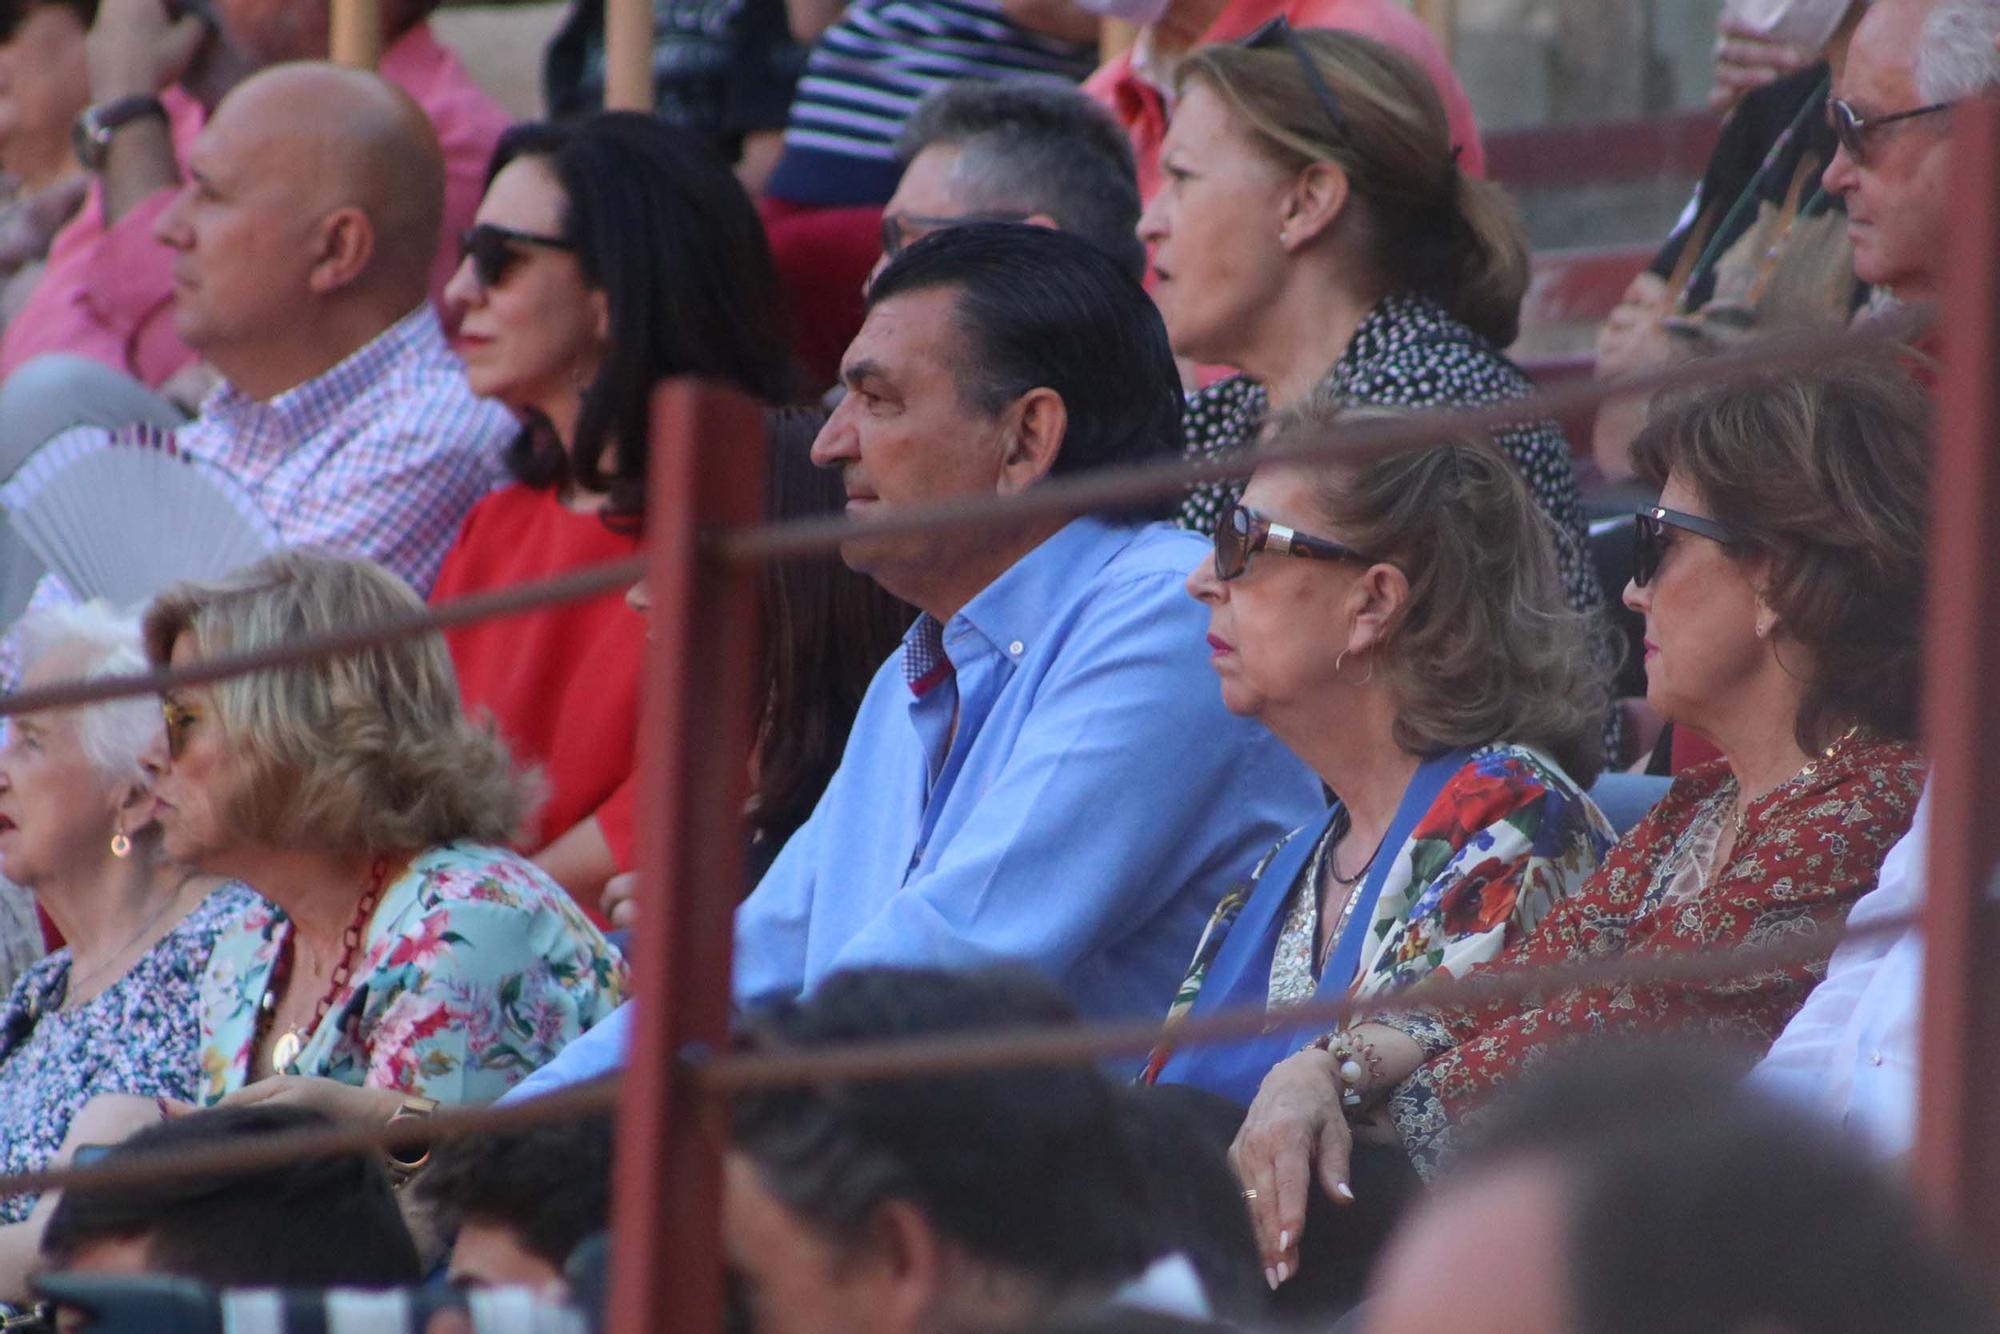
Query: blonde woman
[403,952]
[1316,231]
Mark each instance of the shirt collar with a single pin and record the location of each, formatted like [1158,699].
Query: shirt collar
[306,409]
[1015,609]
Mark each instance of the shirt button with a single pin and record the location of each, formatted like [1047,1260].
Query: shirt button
[1874,1058]
[1017,648]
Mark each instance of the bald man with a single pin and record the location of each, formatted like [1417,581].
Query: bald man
[301,243]
[154,81]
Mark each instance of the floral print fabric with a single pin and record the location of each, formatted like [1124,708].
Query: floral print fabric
[476,970]
[136,1036]
[1508,837]
[1807,850]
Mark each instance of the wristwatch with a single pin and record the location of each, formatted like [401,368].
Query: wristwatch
[406,1159]
[92,133]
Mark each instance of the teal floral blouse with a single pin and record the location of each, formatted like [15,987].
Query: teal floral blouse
[476,970]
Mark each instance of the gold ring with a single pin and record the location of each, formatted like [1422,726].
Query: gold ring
[1250,1194]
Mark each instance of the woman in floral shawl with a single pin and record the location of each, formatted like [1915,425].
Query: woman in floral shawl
[1424,664]
[1781,579]
[401,955]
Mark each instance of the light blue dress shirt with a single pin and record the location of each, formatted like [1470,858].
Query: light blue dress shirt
[1092,806]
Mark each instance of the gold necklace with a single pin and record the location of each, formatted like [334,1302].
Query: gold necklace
[76,982]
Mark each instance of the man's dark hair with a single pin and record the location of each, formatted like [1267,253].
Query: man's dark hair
[1026,1169]
[550,1185]
[1181,1135]
[1036,146]
[312,1222]
[13,13]
[1038,308]
[1697,1206]
[664,230]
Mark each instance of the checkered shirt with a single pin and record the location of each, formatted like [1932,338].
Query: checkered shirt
[380,457]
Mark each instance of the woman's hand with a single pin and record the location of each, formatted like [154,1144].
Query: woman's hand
[618,902]
[1293,1132]
[341,1102]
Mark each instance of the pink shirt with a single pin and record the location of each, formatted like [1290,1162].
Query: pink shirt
[1142,110]
[107,293]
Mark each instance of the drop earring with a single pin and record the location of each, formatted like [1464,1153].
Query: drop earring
[121,846]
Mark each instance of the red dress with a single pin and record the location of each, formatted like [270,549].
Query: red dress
[1809,849]
[562,683]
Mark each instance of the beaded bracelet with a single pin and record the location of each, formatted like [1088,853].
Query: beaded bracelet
[1354,1057]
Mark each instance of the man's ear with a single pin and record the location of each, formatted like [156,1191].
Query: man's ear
[1382,592]
[905,1262]
[1037,423]
[345,245]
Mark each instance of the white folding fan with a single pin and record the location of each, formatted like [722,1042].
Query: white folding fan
[121,515]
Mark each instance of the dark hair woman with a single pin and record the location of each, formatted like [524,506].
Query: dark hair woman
[607,255]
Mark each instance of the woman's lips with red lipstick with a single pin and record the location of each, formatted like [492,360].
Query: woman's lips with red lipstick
[1218,647]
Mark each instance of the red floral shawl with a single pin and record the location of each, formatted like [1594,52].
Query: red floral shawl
[1808,850]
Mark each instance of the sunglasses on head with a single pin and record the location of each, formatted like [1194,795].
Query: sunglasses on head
[1279,31]
[495,250]
[1649,538]
[1242,532]
[1853,130]
[900,231]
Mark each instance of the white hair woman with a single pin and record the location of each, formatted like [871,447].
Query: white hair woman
[114,1010]
[404,956]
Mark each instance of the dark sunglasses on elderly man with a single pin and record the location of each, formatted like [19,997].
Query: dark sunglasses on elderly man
[1243,532]
[495,250]
[1278,31]
[1649,538]
[1854,130]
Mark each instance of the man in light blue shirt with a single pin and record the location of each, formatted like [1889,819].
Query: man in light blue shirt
[1044,773]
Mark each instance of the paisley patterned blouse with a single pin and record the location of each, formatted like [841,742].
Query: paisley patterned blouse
[1806,851]
[476,969]
[1508,838]
[138,1035]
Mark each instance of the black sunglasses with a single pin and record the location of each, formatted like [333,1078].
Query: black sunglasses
[495,250]
[1853,130]
[1243,532]
[1280,29]
[900,231]
[1649,538]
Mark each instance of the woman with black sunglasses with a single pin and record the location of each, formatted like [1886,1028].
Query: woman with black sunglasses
[1781,578]
[608,254]
[1400,627]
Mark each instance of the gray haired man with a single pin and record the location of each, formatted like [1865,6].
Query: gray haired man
[1027,150]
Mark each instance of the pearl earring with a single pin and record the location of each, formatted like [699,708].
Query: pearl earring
[1284,238]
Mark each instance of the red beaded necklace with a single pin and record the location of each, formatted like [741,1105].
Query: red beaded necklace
[293,1041]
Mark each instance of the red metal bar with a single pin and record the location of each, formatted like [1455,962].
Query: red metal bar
[707,467]
[1958,1149]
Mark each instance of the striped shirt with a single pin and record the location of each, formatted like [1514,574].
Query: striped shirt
[869,70]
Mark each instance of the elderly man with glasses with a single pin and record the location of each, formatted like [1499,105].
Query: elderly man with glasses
[1909,62]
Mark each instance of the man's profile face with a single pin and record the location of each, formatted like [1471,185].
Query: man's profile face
[905,434]
[1898,196]
[792,1279]
[490,1254]
[241,229]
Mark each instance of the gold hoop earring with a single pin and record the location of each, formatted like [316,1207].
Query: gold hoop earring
[121,846]
[1340,661]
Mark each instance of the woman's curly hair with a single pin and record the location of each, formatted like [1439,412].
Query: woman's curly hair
[1486,648]
[1823,474]
[363,752]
